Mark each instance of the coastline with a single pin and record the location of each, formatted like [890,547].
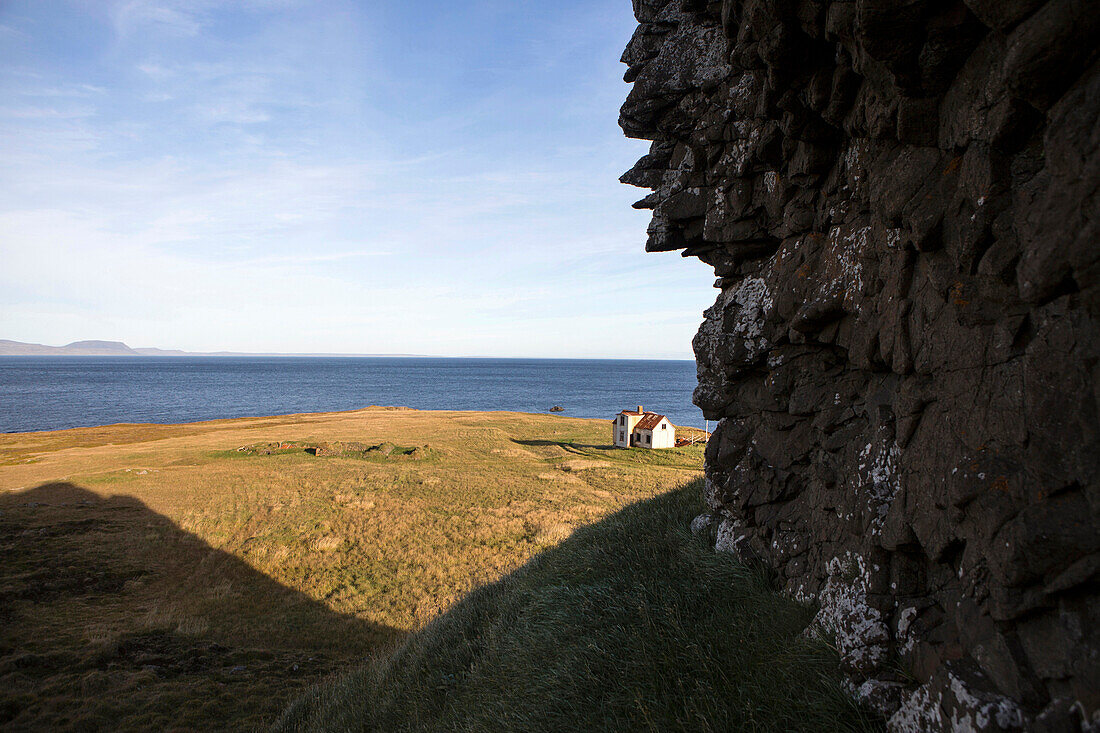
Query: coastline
[302,416]
[293,415]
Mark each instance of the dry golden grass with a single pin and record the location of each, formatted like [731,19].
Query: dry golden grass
[155,576]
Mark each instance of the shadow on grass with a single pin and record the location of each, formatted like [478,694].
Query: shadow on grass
[113,617]
[563,443]
[632,623]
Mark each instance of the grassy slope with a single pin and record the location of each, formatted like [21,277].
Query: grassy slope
[152,575]
[630,624]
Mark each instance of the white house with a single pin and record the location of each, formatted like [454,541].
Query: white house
[642,429]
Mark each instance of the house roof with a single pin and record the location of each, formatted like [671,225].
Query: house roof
[630,412]
[650,421]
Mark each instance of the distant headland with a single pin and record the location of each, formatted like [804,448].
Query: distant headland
[117,348]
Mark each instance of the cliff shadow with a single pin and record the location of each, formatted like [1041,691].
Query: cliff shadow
[566,444]
[113,617]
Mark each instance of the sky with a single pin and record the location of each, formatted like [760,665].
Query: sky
[427,177]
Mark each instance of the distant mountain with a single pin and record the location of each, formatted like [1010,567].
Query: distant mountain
[98,348]
[76,348]
[117,348]
[14,348]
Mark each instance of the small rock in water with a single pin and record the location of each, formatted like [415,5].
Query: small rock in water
[557,408]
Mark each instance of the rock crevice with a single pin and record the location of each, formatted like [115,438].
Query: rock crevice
[901,203]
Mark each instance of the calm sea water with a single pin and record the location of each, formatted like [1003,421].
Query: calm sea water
[50,393]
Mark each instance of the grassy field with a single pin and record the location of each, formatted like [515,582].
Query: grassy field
[201,576]
[630,624]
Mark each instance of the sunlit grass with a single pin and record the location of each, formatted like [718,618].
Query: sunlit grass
[156,575]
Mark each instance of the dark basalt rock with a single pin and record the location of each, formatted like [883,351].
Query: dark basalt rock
[901,202]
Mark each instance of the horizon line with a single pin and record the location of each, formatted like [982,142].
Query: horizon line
[103,347]
[290,355]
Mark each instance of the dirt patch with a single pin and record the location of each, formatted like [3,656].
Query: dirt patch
[349,449]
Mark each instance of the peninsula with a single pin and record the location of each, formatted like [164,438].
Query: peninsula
[117,348]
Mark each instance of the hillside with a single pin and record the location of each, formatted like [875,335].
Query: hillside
[612,630]
[202,575]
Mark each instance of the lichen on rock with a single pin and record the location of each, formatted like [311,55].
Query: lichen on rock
[861,635]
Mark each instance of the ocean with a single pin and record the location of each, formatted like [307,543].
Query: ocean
[55,392]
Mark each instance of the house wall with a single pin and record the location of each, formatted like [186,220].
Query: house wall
[658,438]
[664,438]
[626,430]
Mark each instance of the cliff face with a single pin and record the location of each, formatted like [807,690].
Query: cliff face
[901,202]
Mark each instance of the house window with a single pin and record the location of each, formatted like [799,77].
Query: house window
[664,425]
[647,438]
[622,419]
[622,437]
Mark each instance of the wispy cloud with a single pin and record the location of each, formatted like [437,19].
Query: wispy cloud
[155,71]
[236,112]
[69,90]
[179,17]
[6,31]
[298,260]
[46,113]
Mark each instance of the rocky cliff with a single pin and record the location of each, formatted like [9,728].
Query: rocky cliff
[901,202]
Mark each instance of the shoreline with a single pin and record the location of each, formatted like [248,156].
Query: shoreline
[312,416]
[401,357]
[305,415]
[277,416]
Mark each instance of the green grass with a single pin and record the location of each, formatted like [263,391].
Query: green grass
[629,624]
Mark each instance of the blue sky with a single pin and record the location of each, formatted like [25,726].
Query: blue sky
[373,177]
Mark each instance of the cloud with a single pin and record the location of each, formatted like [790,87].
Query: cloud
[298,260]
[7,31]
[155,71]
[70,90]
[232,111]
[180,18]
[177,18]
[46,113]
